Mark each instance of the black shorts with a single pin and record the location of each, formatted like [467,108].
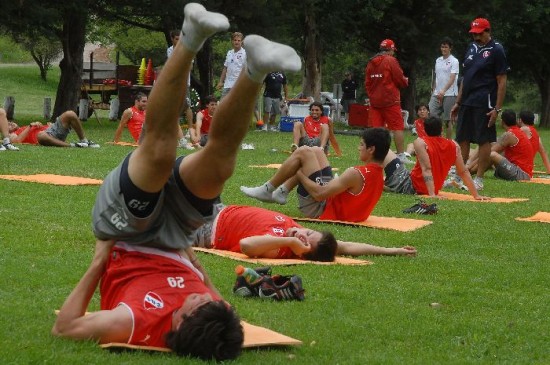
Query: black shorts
[472,126]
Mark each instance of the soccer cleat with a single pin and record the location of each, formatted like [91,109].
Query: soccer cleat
[282,288]
[80,144]
[92,144]
[2,148]
[422,208]
[9,147]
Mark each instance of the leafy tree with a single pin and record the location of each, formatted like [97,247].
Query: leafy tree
[42,49]
[65,21]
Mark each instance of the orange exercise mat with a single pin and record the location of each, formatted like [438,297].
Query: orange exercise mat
[254,336]
[278,165]
[468,198]
[53,179]
[131,144]
[338,260]
[537,180]
[543,217]
[393,223]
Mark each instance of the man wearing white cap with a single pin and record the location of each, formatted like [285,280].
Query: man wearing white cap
[481,95]
[383,79]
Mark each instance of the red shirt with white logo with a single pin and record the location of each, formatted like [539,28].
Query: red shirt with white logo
[152,284]
[351,207]
[313,127]
[236,222]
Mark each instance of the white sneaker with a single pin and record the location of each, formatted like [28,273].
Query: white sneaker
[404,158]
[274,129]
[478,183]
[80,144]
[10,147]
[259,192]
[92,144]
[2,148]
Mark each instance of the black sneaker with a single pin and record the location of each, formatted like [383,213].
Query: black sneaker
[282,288]
[422,208]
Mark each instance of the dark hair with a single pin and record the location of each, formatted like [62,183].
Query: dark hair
[448,41]
[209,99]
[326,248]
[213,331]
[509,117]
[420,106]
[140,95]
[433,126]
[380,138]
[174,33]
[527,117]
[316,103]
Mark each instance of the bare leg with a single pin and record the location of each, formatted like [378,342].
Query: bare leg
[306,159]
[298,131]
[151,163]
[399,139]
[206,171]
[484,161]
[465,149]
[4,129]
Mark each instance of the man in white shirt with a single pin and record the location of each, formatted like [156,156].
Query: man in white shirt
[234,62]
[444,85]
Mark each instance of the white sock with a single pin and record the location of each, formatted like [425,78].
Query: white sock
[280,195]
[269,187]
[199,24]
[6,140]
[264,56]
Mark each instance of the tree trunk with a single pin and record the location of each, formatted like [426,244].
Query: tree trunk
[544,88]
[204,63]
[311,85]
[73,39]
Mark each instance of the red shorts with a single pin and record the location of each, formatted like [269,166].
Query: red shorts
[389,117]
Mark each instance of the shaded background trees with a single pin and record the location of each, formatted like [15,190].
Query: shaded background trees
[331,36]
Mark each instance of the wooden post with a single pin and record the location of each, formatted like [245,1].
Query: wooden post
[83,109]
[47,108]
[9,107]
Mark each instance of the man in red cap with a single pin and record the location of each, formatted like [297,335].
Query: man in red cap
[383,79]
[480,96]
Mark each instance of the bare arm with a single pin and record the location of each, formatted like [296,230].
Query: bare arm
[351,179]
[501,92]
[447,86]
[324,134]
[361,249]
[222,78]
[544,156]
[126,115]
[198,125]
[268,246]
[195,261]
[454,109]
[104,326]
[425,165]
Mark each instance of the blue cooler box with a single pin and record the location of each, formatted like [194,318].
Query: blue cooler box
[286,124]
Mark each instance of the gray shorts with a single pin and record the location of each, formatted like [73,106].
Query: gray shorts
[509,171]
[171,224]
[442,110]
[399,181]
[272,105]
[58,131]
[312,142]
[307,205]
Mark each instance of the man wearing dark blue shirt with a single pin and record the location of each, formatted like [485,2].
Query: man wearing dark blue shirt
[272,97]
[481,95]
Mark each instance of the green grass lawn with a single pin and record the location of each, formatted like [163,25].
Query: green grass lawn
[488,271]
